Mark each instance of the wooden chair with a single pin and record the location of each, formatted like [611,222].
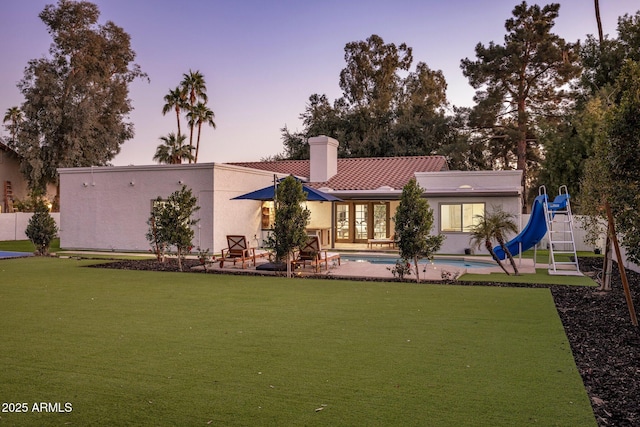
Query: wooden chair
[238,250]
[312,253]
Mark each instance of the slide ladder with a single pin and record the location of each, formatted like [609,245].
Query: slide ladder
[562,244]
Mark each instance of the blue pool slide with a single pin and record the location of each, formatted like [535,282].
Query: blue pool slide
[531,234]
[536,228]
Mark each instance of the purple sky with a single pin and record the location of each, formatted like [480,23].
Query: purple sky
[262,60]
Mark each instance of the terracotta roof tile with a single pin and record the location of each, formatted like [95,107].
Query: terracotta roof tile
[365,173]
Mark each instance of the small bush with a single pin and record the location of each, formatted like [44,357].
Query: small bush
[42,228]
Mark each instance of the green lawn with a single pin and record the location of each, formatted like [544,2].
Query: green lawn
[26,245]
[147,348]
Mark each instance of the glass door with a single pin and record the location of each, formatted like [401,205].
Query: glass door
[342,222]
[380,221]
[361,221]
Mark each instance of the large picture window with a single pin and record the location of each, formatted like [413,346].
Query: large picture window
[459,217]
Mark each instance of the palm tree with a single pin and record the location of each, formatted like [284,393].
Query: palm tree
[482,232]
[15,116]
[199,115]
[502,222]
[196,89]
[173,150]
[176,99]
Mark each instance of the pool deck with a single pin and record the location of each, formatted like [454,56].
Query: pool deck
[354,269]
[359,269]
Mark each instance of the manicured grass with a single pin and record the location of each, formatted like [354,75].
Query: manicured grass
[148,348]
[25,245]
[542,255]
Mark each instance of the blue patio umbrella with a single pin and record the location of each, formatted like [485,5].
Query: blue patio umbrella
[268,193]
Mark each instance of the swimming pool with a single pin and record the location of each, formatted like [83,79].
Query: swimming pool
[455,262]
[11,254]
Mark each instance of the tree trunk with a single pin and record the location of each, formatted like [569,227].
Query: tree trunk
[415,262]
[599,22]
[489,247]
[522,150]
[198,142]
[506,250]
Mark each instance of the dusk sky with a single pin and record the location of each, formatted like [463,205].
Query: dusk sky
[263,59]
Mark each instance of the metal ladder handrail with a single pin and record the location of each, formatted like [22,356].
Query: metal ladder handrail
[550,216]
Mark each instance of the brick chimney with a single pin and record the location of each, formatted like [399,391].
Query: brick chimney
[323,153]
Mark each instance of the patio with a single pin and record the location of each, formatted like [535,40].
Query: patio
[364,269]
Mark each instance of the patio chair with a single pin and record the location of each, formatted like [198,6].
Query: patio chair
[312,253]
[239,250]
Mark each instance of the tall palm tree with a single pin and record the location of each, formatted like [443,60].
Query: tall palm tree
[502,222]
[175,100]
[482,233]
[199,115]
[15,116]
[173,150]
[196,89]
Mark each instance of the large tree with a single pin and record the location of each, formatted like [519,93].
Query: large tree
[76,100]
[386,108]
[521,81]
[612,174]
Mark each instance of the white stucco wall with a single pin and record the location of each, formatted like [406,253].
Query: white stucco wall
[13,225]
[456,243]
[107,208]
[240,217]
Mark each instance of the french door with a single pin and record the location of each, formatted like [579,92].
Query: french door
[356,222]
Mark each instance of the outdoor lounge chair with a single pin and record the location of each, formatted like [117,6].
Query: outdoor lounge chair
[238,250]
[312,253]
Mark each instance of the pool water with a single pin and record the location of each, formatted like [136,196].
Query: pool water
[455,262]
[11,254]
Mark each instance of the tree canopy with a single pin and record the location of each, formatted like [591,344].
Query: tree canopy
[76,100]
[386,108]
[190,97]
[520,83]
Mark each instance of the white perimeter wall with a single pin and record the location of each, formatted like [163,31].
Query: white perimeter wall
[107,208]
[13,225]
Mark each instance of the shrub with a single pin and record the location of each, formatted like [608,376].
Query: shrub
[42,228]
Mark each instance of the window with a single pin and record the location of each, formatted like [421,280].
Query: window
[268,215]
[459,217]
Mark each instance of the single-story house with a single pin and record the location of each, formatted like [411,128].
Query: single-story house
[107,208]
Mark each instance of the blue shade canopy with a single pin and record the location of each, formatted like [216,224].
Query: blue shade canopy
[267,193]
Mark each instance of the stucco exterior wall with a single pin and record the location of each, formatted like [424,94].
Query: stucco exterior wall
[13,225]
[457,242]
[240,217]
[106,208]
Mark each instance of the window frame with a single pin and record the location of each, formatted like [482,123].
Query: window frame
[464,228]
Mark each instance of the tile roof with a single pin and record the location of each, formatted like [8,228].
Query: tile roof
[364,173]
